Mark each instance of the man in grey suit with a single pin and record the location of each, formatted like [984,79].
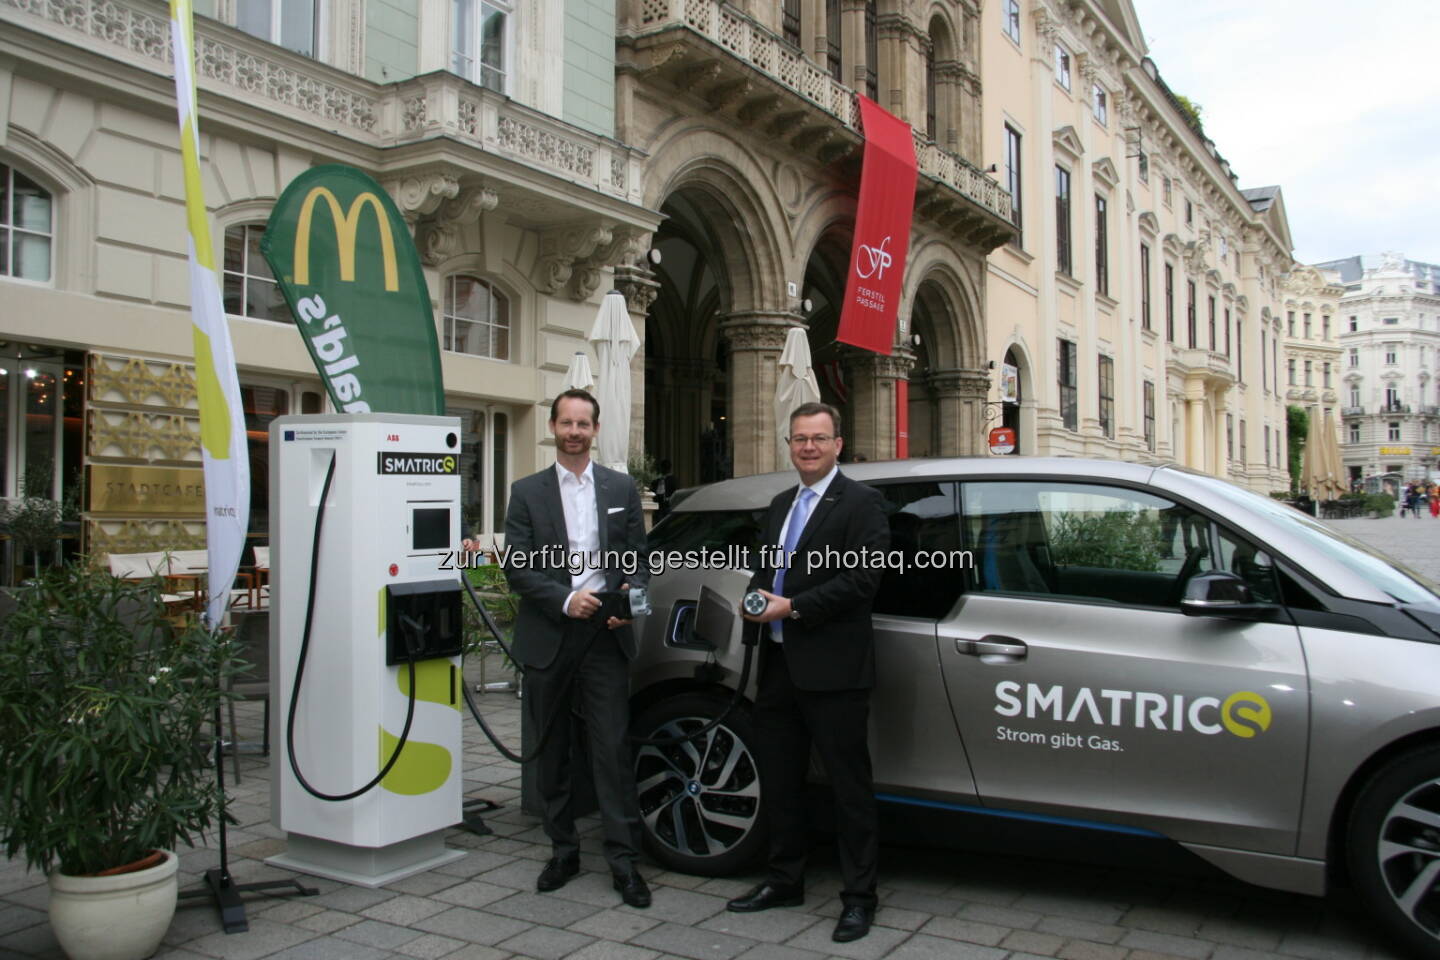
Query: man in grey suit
[572,530]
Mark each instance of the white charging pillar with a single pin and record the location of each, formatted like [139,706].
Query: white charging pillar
[392,516]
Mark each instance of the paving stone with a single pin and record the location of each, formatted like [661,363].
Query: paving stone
[999,916]
[1089,950]
[472,926]
[953,928]
[605,950]
[1178,946]
[1226,952]
[770,926]
[476,951]
[352,899]
[619,925]
[687,906]
[924,947]
[328,948]
[33,941]
[1092,909]
[878,943]
[288,911]
[1239,933]
[1081,929]
[35,897]
[1330,946]
[545,943]
[378,934]
[14,917]
[1151,955]
[430,946]
[924,903]
[1171,920]
[1032,941]
[403,910]
[264,938]
[476,861]
[690,942]
[773,951]
[424,884]
[472,893]
[541,908]
[328,921]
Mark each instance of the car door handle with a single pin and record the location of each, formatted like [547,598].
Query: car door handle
[991,645]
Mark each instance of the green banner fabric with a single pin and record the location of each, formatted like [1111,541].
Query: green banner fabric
[349,271]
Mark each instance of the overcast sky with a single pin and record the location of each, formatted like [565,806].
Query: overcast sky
[1338,103]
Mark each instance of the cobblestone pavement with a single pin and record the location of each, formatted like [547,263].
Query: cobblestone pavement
[999,904]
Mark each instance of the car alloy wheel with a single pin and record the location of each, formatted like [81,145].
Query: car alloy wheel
[699,800]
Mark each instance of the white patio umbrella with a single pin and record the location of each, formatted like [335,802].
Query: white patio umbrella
[615,343]
[579,377]
[795,384]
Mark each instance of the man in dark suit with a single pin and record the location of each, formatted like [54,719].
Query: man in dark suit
[557,516]
[817,667]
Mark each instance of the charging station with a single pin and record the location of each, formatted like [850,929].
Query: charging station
[379,605]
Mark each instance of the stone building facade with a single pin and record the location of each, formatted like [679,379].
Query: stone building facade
[1138,313]
[1313,371]
[1389,334]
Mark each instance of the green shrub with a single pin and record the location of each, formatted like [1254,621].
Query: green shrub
[1381,503]
[1116,539]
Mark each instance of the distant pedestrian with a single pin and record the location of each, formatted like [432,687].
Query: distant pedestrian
[1435,500]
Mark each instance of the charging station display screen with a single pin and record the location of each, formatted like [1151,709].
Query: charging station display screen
[431,528]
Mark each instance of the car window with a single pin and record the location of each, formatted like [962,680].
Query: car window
[1079,541]
[1250,564]
[709,530]
[924,572]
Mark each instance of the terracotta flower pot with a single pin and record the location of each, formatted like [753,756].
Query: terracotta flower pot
[122,916]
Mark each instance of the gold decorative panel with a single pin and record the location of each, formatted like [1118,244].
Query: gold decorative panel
[143,536]
[142,382]
[133,435]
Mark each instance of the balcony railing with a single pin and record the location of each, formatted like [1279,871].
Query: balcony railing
[1395,408]
[1352,411]
[748,41]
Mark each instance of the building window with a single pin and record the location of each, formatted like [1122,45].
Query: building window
[1224,247]
[1144,287]
[1267,445]
[1107,396]
[1165,189]
[1098,105]
[1392,352]
[1290,371]
[1229,436]
[1325,373]
[477,318]
[790,23]
[1169,303]
[1244,443]
[1227,331]
[1011,14]
[930,93]
[1392,400]
[1354,397]
[1102,248]
[1062,220]
[1394,429]
[485,468]
[1354,324]
[1290,323]
[1149,415]
[1213,339]
[1190,318]
[1264,375]
[1062,66]
[1012,180]
[481,42]
[1240,352]
[832,39]
[292,24]
[1325,328]
[250,289]
[1189,212]
[1354,357]
[1390,321]
[1309,373]
[1307,326]
[872,52]
[1143,165]
[27,226]
[1354,433]
[1068,407]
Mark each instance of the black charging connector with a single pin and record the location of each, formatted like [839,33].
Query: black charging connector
[709,672]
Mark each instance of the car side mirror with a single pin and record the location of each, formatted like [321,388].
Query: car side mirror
[1219,593]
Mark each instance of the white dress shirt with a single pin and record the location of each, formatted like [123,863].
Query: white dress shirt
[777,627]
[582,528]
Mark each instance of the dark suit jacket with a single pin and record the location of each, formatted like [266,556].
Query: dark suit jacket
[534,520]
[832,645]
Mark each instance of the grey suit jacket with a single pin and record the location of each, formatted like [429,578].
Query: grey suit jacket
[534,520]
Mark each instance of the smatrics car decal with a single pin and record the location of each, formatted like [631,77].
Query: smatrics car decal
[1244,713]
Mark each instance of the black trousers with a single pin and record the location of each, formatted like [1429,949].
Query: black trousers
[601,696]
[788,722]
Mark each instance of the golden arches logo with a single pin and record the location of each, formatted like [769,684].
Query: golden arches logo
[347,226]
[1245,713]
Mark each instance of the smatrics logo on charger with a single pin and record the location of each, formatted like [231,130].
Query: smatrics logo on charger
[1244,713]
[394,463]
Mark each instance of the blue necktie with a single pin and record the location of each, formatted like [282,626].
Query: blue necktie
[798,515]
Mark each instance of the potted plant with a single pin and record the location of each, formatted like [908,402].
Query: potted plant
[105,755]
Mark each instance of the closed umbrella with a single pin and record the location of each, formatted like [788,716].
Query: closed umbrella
[579,377]
[615,344]
[1334,465]
[795,384]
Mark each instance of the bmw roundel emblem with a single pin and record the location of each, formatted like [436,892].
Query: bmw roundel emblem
[693,788]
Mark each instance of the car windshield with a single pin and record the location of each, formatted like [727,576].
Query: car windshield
[1394,578]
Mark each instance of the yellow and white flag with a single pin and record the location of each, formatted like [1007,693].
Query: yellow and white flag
[222,418]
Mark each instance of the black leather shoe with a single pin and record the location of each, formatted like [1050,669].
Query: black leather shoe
[854,923]
[633,889]
[558,872]
[765,896]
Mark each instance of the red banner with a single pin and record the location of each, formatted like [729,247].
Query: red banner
[882,231]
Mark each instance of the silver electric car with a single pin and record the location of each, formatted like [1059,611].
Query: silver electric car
[1125,647]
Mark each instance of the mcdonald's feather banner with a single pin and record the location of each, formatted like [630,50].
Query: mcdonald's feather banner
[350,273]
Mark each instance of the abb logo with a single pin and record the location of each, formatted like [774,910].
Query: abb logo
[392,438]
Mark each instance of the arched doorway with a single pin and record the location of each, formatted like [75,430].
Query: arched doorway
[1012,397]
[824,288]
